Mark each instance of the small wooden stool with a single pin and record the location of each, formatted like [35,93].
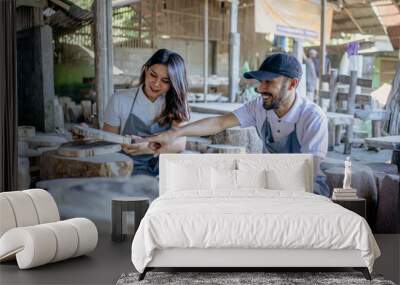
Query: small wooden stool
[122,207]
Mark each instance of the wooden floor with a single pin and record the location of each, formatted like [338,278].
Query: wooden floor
[110,260]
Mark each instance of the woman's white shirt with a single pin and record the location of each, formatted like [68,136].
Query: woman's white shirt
[119,106]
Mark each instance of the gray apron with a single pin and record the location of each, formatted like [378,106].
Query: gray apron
[144,163]
[290,144]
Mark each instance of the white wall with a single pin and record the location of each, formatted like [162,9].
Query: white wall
[130,60]
[190,50]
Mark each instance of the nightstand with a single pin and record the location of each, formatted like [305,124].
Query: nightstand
[357,205]
[127,212]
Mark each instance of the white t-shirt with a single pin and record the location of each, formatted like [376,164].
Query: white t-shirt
[310,120]
[120,104]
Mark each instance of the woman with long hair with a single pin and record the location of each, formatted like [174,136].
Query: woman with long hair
[157,104]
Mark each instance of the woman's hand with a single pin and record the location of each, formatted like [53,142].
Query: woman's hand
[137,139]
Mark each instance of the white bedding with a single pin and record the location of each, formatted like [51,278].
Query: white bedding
[252,218]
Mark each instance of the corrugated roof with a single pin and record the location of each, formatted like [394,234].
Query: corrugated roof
[375,17]
[356,17]
[68,17]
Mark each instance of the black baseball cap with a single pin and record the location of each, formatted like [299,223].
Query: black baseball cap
[279,64]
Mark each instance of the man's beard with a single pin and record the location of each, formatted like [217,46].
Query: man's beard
[275,104]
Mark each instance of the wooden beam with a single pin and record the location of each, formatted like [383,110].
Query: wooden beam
[63,5]
[31,3]
[353,20]
[338,30]
[345,79]
[123,3]
[361,99]
[344,20]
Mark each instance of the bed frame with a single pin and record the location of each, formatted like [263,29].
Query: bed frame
[246,259]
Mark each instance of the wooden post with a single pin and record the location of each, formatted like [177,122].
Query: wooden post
[103,56]
[331,136]
[205,50]
[333,87]
[350,110]
[322,52]
[298,51]
[338,134]
[376,128]
[110,54]
[234,53]
[153,24]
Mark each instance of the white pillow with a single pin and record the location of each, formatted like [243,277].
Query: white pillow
[183,177]
[292,179]
[281,173]
[223,179]
[251,179]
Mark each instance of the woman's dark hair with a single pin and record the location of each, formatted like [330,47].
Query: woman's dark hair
[176,107]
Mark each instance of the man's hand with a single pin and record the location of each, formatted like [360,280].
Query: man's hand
[136,148]
[160,141]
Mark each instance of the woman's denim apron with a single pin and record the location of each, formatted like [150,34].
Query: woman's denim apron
[144,163]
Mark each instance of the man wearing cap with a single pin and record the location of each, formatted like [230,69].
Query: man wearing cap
[285,122]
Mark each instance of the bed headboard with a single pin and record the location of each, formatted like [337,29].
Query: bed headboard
[236,161]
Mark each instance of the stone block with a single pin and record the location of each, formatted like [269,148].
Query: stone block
[243,137]
[197,144]
[221,148]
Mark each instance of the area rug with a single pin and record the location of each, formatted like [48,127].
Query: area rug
[243,278]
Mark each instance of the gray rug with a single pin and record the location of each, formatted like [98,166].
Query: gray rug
[242,278]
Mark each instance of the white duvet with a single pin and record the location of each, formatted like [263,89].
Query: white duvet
[250,219]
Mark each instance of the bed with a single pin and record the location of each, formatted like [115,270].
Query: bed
[246,211]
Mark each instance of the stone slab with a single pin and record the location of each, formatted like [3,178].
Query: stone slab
[340,119]
[100,135]
[45,140]
[54,166]
[375,115]
[87,148]
[388,142]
